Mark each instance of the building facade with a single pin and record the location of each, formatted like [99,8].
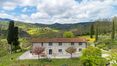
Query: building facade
[58,46]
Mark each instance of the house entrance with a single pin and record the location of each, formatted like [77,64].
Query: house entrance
[50,51]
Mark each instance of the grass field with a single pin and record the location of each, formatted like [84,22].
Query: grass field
[7,61]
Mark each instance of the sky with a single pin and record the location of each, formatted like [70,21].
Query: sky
[57,11]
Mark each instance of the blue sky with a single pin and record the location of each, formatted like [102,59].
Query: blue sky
[57,11]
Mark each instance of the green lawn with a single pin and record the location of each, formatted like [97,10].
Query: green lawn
[114,65]
[6,61]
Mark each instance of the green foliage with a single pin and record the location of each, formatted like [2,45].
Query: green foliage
[92,57]
[92,51]
[51,35]
[43,32]
[96,31]
[10,36]
[33,30]
[68,34]
[102,46]
[113,29]
[96,35]
[113,55]
[16,42]
[92,31]
[25,43]
[107,44]
[3,47]
[8,59]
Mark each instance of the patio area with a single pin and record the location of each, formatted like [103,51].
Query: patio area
[28,55]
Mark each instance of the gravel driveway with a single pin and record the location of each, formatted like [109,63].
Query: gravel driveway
[28,55]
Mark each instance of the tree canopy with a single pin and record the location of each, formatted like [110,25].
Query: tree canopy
[91,30]
[92,57]
[71,50]
[12,37]
[68,34]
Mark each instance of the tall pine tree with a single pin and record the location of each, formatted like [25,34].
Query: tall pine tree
[96,35]
[0,30]
[10,36]
[96,31]
[91,31]
[16,42]
[113,30]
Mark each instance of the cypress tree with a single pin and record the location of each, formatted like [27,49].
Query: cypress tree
[16,42]
[91,31]
[113,30]
[0,31]
[10,36]
[96,35]
[96,31]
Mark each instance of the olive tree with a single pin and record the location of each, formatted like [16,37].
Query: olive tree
[71,50]
[38,51]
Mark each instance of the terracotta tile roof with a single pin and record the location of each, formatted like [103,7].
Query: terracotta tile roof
[38,40]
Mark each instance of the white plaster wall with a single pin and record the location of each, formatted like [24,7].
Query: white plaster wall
[55,47]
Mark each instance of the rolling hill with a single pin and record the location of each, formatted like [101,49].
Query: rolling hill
[42,30]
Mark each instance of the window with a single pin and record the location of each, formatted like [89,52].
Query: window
[50,43]
[42,44]
[72,43]
[80,49]
[80,43]
[60,50]
[60,43]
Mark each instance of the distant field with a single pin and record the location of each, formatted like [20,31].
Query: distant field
[88,38]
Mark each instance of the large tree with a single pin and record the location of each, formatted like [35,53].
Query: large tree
[91,30]
[10,36]
[68,34]
[71,50]
[16,42]
[92,57]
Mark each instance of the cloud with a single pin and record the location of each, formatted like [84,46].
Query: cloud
[26,2]
[70,11]
[9,6]
[4,15]
[62,11]
[40,15]
[55,7]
